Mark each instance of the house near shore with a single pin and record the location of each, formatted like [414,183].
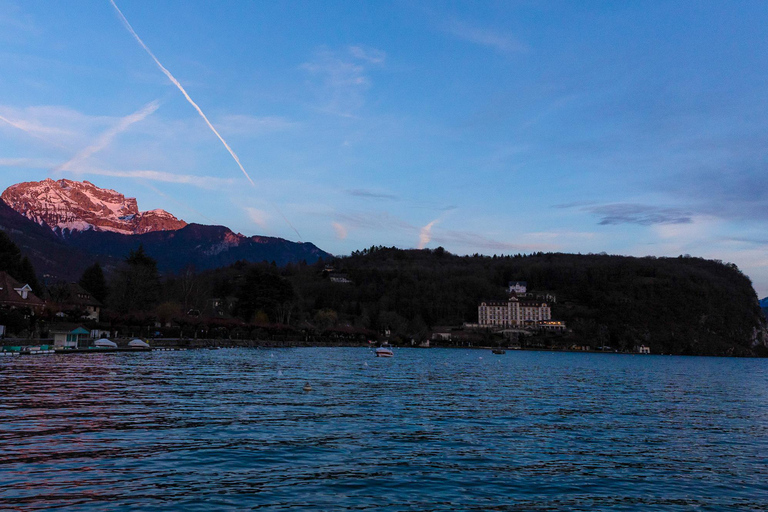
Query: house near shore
[66,337]
[441,333]
[73,298]
[15,295]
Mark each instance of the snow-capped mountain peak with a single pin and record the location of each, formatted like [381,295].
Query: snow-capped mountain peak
[67,205]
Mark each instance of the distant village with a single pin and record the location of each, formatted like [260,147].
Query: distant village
[64,298]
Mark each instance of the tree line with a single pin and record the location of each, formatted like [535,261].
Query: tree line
[681,305]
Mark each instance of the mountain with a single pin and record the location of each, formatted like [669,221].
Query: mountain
[203,246]
[64,226]
[66,206]
[764,306]
[49,253]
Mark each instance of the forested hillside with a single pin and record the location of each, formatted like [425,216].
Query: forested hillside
[676,305]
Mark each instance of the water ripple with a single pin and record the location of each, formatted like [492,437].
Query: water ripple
[426,430]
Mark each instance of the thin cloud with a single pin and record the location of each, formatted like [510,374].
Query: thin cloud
[252,125]
[736,190]
[378,221]
[35,130]
[371,55]
[343,77]
[106,138]
[28,163]
[644,215]
[206,182]
[476,242]
[361,192]
[575,204]
[502,42]
[15,24]
[747,240]
[341,231]
[259,217]
[632,213]
[425,234]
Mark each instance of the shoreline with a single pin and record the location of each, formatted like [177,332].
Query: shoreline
[177,345]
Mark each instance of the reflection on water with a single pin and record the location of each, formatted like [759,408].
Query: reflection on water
[426,430]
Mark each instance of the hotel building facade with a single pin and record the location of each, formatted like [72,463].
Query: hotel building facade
[513,312]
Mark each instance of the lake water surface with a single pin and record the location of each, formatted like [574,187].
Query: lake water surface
[430,429]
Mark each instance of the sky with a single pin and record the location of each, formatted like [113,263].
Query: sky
[637,128]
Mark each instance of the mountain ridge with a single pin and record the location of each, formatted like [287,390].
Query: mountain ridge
[64,237]
[68,205]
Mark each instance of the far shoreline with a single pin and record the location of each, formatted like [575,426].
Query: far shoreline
[33,347]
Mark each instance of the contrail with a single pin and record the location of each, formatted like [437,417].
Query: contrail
[177,84]
[107,136]
[191,102]
[31,133]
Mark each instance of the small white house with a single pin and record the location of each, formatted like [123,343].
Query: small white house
[69,339]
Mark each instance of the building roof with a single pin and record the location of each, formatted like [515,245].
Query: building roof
[12,293]
[79,296]
[68,329]
[495,302]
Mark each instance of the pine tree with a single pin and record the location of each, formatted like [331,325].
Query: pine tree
[93,281]
[10,256]
[18,267]
[137,284]
[27,276]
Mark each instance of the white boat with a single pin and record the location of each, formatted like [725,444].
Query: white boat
[385,350]
[104,343]
[137,343]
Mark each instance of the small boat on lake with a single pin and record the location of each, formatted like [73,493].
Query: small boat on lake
[385,350]
[499,351]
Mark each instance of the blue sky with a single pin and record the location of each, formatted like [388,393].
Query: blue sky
[634,128]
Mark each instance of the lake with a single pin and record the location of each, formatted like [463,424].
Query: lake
[430,429]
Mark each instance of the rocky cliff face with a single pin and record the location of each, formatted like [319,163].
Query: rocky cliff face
[66,206]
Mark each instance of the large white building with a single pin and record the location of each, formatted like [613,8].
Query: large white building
[512,312]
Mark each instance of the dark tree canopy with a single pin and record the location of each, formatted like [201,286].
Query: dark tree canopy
[10,255]
[266,291]
[94,282]
[18,267]
[136,286]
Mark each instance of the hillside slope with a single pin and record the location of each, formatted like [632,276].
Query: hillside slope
[205,247]
[675,305]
